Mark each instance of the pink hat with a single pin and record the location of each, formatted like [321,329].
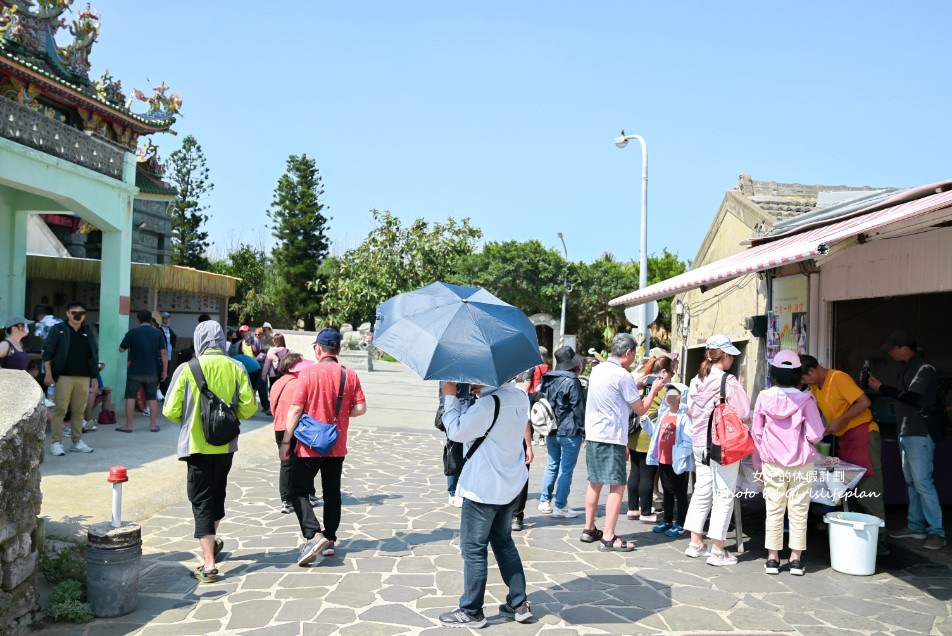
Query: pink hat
[300,366]
[786,359]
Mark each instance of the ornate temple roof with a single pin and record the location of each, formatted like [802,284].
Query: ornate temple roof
[149,173]
[40,74]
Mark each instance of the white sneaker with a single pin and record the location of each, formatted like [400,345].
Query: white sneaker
[451,501]
[146,411]
[56,448]
[545,507]
[89,426]
[721,558]
[565,513]
[158,395]
[80,447]
[67,433]
[695,551]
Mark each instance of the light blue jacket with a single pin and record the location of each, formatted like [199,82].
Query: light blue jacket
[683,451]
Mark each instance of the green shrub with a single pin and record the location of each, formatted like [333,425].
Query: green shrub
[388,358]
[67,564]
[67,605]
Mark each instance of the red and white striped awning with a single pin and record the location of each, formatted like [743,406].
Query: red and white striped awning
[788,249]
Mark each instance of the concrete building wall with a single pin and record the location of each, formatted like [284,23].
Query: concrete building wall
[723,309]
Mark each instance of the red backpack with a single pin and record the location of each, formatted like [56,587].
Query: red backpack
[728,438]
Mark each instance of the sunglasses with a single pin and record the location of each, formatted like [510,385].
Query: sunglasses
[78,314]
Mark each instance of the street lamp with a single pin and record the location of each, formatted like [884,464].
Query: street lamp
[565,290]
[621,141]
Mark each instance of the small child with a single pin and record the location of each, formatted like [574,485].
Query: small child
[672,452]
[787,423]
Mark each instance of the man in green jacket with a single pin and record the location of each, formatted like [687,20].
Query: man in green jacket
[208,465]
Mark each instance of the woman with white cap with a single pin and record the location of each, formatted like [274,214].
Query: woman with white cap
[12,355]
[715,484]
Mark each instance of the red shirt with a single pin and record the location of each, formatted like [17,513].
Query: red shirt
[668,432]
[281,394]
[316,390]
[537,373]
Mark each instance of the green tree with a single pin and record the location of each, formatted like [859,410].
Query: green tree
[605,278]
[588,314]
[525,274]
[393,259]
[254,293]
[189,174]
[299,225]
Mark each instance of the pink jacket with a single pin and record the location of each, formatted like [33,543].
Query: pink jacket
[704,395]
[787,423]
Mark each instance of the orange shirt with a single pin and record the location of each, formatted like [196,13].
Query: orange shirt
[836,396]
[281,394]
[316,390]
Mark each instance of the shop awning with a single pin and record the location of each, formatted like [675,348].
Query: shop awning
[794,248]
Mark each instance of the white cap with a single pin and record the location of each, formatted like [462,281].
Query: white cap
[722,342]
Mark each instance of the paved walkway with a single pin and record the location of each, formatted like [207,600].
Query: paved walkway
[398,565]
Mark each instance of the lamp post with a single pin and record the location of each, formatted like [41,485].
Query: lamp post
[621,141]
[565,290]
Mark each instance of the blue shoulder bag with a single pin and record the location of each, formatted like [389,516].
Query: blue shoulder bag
[317,435]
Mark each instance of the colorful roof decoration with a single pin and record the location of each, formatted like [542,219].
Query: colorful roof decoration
[40,74]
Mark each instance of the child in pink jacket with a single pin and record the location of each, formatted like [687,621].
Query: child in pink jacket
[787,423]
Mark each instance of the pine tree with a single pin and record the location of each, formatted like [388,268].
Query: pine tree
[299,225]
[189,174]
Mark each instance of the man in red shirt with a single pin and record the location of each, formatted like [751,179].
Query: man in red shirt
[316,394]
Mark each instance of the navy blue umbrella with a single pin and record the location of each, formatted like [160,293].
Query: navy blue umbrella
[462,334]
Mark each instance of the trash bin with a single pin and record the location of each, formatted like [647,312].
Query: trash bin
[113,557]
[853,541]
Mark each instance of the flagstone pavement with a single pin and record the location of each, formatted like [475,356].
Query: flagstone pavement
[398,567]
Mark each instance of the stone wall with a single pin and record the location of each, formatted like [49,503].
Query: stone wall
[22,431]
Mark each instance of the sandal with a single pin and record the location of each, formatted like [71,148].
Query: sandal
[155,430]
[617,544]
[590,536]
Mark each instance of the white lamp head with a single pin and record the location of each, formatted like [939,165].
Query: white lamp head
[621,141]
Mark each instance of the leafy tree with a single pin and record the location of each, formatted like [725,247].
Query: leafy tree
[189,174]
[588,312]
[606,278]
[525,274]
[299,225]
[254,297]
[393,259]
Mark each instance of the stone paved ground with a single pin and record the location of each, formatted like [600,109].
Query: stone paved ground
[398,567]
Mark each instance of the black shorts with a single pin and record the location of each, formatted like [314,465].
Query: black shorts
[207,483]
[150,384]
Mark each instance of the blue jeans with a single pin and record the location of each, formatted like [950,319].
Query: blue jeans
[451,481]
[925,512]
[563,455]
[482,525]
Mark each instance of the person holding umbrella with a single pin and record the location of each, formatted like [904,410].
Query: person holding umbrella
[490,483]
[465,334]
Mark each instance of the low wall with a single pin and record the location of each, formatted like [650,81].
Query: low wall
[22,432]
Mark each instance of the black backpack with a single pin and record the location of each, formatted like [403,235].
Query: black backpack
[219,419]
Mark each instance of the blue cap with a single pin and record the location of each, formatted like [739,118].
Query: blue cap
[328,337]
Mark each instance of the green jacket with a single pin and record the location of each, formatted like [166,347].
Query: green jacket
[226,378]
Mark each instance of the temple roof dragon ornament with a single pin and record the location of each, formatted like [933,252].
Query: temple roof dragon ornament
[54,79]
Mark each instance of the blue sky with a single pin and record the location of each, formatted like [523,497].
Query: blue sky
[505,112]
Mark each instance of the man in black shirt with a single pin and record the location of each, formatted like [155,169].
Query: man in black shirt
[915,401]
[145,344]
[71,360]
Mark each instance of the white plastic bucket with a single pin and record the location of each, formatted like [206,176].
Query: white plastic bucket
[853,539]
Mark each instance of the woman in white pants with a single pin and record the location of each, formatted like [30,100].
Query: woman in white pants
[715,484]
